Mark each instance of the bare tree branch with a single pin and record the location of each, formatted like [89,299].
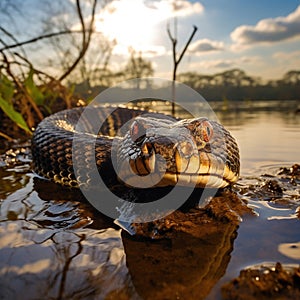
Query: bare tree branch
[81,22]
[2,134]
[174,43]
[85,40]
[187,44]
[30,65]
[8,34]
[11,36]
[176,60]
[41,37]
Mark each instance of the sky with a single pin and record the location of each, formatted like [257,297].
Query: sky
[262,37]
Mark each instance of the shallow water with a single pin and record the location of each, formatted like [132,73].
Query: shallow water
[54,245]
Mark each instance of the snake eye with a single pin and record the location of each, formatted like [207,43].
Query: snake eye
[137,131]
[206,130]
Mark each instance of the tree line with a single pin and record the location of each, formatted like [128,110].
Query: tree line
[233,85]
[236,85]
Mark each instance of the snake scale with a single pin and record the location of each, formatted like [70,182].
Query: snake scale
[152,149]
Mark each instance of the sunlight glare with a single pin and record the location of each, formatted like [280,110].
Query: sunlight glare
[134,23]
[130,23]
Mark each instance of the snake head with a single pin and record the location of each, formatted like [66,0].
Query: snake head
[189,152]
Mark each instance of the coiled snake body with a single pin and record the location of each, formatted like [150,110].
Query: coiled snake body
[151,150]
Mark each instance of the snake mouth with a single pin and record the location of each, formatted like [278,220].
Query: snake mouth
[172,179]
[194,180]
[191,169]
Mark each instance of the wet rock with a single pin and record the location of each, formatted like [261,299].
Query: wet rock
[294,170]
[264,282]
[17,155]
[272,188]
[292,174]
[224,208]
[280,189]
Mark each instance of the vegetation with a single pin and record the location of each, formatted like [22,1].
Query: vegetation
[78,67]
[23,103]
[235,84]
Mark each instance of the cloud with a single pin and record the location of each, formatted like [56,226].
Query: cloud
[215,64]
[228,63]
[287,56]
[205,45]
[286,61]
[178,8]
[268,31]
[249,60]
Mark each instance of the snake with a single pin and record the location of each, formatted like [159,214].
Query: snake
[135,147]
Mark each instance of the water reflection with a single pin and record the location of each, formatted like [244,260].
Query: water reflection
[62,264]
[291,250]
[46,249]
[54,245]
[184,267]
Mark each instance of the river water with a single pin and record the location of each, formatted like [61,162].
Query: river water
[54,245]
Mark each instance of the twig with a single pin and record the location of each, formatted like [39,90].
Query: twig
[7,137]
[41,37]
[85,39]
[187,44]
[29,64]
[176,60]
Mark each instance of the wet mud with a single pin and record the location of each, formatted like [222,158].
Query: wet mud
[264,282]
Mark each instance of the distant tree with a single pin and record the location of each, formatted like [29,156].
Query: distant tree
[292,78]
[137,67]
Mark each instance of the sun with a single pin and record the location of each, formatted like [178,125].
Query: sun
[138,24]
[131,23]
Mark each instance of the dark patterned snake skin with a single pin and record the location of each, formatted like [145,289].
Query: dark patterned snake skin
[151,150]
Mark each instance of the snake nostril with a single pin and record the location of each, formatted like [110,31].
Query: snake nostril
[186,148]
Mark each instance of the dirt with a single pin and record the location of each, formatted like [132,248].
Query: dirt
[264,283]
[183,255]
